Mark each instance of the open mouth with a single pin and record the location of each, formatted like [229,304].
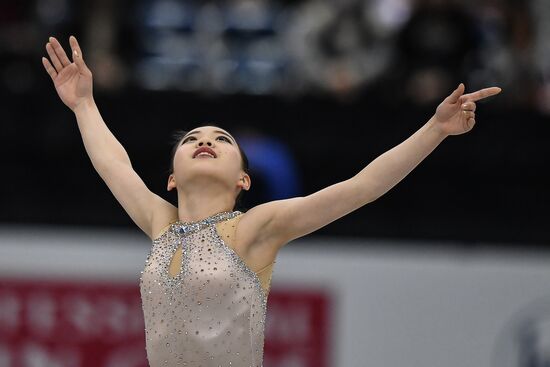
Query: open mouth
[204,152]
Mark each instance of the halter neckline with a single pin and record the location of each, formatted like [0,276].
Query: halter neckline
[185,227]
[219,215]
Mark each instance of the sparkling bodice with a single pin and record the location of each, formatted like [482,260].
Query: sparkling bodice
[210,313]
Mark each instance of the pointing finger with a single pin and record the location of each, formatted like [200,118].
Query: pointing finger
[49,68]
[482,93]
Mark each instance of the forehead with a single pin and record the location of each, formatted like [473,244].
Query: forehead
[208,129]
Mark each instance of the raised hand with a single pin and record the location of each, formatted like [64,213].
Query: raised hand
[72,80]
[456,114]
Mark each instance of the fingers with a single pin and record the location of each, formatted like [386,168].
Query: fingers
[453,98]
[469,115]
[59,58]
[53,57]
[49,68]
[481,94]
[469,118]
[77,54]
[458,96]
[470,124]
[61,55]
[469,106]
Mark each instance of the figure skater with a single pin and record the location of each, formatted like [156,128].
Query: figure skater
[206,279]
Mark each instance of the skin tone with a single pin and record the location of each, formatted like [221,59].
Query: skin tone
[207,186]
[219,179]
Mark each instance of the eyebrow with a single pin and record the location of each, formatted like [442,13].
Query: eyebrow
[216,131]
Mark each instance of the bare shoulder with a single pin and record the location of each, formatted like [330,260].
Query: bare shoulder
[164,214]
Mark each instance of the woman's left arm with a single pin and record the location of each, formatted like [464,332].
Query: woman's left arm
[285,220]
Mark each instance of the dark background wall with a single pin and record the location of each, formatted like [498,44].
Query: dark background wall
[487,186]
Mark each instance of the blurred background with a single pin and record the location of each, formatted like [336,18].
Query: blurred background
[313,90]
[324,86]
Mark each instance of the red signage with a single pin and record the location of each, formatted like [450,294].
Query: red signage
[99,324]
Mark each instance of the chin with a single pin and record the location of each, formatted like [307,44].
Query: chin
[202,172]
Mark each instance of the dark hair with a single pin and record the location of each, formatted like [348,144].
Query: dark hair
[176,139]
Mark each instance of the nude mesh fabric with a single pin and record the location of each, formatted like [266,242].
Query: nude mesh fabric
[202,304]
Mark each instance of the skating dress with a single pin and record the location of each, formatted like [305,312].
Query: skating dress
[202,304]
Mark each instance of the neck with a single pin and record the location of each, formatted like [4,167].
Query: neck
[202,201]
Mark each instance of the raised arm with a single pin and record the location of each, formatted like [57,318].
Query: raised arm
[284,220]
[73,83]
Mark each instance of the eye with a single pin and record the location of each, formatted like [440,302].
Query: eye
[225,138]
[187,139]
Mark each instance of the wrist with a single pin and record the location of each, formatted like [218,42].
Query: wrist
[435,127]
[85,106]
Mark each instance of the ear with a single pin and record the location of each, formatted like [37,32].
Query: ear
[244,182]
[171,182]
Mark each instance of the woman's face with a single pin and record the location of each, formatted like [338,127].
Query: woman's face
[208,151]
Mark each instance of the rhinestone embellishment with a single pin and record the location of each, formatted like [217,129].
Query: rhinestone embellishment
[212,312]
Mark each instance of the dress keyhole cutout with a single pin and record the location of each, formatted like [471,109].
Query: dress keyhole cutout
[175,263]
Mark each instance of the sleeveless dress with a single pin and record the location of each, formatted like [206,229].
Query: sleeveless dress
[202,305]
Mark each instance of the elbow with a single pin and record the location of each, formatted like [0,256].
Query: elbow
[366,191]
[369,198]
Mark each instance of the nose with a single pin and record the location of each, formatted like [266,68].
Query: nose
[204,141]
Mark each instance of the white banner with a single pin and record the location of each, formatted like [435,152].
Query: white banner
[389,304]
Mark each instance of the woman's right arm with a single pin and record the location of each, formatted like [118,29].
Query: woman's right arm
[73,83]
